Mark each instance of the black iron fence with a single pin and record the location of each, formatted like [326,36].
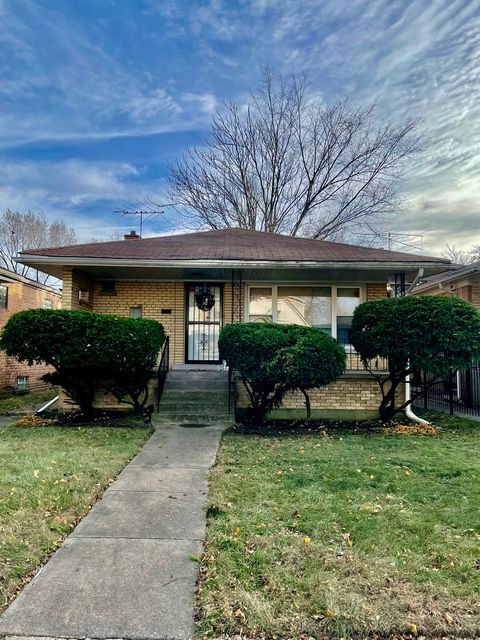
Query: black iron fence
[163,369]
[457,394]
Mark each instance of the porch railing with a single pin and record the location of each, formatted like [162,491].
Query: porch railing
[163,369]
[354,362]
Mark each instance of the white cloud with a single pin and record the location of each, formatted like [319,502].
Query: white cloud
[206,102]
[412,58]
[144,107]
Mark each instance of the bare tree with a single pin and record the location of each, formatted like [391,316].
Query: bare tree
[460,256]
[288,163]
[20,231]
[475,253]
[456,255]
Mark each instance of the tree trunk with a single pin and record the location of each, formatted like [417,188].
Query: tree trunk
[307,403]
[387,407]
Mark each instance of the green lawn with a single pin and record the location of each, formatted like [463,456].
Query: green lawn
[344,534]
[49,477]
[17,403]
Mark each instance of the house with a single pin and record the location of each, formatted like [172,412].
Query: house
[460,281]
[251,276]
[16,294]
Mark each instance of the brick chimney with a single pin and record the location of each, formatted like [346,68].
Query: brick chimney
[133,235]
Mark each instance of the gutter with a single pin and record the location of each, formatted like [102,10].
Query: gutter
[442,287]
[68,261]
[460,273]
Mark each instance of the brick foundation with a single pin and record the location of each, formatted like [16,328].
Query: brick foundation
[356,395]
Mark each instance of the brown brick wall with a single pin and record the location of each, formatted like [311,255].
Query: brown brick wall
[475,293]
[23,296]
[74,281]
[376,291]
[469,291]
[355,392]
[352,392]
[152,297]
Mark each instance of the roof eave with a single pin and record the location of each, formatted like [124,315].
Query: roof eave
[71,261]
[457,275]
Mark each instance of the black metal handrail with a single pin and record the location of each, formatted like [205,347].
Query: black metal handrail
[163,369]
[231,390]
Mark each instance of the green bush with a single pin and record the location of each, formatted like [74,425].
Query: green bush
[88,351]
[415,333]
[273,359]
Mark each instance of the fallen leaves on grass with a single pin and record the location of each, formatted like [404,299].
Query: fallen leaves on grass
[35,421]
[346,540]
[238,613]
[371,508]
[412,430]
[412,627]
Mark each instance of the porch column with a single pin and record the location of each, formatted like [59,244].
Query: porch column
[237,298]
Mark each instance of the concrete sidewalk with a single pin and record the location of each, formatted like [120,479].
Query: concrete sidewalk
[128,570]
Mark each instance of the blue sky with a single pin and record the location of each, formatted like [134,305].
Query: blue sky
[97,96]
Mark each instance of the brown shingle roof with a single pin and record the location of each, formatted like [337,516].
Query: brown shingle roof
[232,244]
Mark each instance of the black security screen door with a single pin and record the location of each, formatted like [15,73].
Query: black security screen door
[203,327]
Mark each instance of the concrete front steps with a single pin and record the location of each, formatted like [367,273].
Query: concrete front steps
[195,396]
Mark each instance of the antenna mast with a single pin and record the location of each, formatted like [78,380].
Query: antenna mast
[141,213]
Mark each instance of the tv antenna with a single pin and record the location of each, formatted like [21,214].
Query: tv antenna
[392,238]
[141,213]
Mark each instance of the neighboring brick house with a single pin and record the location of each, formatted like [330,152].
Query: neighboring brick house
[16,294]
[463,282]
[253,276]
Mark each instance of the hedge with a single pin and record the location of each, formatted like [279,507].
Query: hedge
[88,351]
[274,359]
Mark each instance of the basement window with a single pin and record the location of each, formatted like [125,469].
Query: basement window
[22,384]
[136,312]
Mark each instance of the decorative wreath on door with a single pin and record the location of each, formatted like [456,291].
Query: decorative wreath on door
[204,298]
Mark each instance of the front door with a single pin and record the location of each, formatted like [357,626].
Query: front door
[202,327]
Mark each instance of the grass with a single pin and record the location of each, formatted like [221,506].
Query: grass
[18,403]
[49,478]
[344,534]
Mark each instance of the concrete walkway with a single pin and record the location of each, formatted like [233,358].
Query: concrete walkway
[128,570]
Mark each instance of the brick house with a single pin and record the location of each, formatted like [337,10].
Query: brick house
[16,294]
[461,281]
[253,276]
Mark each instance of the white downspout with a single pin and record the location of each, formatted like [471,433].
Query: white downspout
[46,406]
[408,388]
[418,277]
[408,409]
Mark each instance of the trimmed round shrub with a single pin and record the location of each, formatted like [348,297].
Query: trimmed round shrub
[88,351]
[274,359]
[415,333]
